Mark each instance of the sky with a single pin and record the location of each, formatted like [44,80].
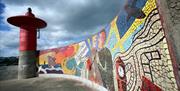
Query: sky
[68,21]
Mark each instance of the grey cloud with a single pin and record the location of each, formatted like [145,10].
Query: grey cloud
[76,17]
[9,43]
[91,17]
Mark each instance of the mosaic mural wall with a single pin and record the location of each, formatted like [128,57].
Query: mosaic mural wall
[129,54]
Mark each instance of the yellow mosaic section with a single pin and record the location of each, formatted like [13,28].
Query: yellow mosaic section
[66,70]
[114,30]
[150,5]
[89,42]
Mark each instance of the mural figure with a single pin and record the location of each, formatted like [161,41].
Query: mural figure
[105,65]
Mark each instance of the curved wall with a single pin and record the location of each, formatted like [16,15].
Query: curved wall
[131,53]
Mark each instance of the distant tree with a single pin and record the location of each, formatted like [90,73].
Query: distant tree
[5,61]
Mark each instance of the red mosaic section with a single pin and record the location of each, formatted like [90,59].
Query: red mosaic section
[147,85]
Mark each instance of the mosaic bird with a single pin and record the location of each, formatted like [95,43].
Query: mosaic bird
[133,11]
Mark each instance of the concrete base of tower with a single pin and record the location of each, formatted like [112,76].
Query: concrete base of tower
[27,67]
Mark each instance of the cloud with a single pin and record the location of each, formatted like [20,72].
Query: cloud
[9,43]
[68,21]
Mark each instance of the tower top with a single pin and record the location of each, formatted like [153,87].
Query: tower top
[27,20]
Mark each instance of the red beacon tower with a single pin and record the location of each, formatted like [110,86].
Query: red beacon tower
[28,24]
